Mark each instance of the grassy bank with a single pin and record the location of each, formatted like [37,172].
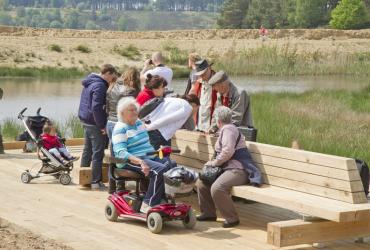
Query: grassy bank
[45,72]
[333,122]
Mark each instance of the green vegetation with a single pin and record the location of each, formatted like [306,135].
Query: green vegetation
[349,14]
[55,47]
[45,72]
[173,54]
[10,128]
[70,127]
[130,51]
[271,60]
[332,122]
[83,48]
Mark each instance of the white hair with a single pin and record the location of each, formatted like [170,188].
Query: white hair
[123,104]
[224,115]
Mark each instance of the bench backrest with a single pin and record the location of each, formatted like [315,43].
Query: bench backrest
[318,174]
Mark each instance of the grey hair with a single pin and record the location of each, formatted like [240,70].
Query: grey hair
[224,115]
[123,104]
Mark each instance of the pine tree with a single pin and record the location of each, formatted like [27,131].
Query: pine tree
[233,14]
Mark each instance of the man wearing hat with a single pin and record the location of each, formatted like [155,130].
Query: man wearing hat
[232,97]
[207,96]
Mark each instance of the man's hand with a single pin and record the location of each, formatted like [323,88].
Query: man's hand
[147,63]
[145,168]
[209,164]
[103,131]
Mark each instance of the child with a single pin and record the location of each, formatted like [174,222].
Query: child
[51,143]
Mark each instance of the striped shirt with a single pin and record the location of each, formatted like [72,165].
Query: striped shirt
[130,140]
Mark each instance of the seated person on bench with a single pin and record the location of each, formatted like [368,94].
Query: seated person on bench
[131,142]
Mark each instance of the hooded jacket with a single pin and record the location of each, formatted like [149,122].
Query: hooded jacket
[92,102]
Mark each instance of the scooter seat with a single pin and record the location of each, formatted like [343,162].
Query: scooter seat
[128,174]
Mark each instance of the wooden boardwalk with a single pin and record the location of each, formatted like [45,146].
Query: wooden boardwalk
[75,216]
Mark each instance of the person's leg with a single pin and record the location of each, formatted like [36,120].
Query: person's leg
[87,150]
[206,204]
[98,146]
[156,139]
[112,183]
[1,144]
[221,189]
[64,152]
[156,191]
[55,152]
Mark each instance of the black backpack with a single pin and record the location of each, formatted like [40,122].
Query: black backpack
[364,174]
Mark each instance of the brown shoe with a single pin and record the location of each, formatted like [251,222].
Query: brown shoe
[203,217]
[230,224]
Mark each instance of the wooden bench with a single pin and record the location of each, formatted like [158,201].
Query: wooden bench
[319,185]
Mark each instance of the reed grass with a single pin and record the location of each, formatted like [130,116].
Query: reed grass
[10,128]
[130,51]
[45,72]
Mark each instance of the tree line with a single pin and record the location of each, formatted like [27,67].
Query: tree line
[163,5]
[341,14]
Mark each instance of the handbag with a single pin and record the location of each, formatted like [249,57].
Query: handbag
[210,174]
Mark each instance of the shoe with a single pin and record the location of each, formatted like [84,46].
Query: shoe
[144,208]
[74,158]
[98,186]
[230,224]
[202,217]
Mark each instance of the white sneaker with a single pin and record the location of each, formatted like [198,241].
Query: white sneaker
[144,208]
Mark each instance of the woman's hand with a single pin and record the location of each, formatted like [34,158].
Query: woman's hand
[135,160]
[145,168]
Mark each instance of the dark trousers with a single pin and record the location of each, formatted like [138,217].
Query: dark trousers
[1,144]
[93,152]
[157,140]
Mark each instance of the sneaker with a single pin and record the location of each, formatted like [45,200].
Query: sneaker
[144,208]
[98,186]
[74,158]
[203,217]
[230,224]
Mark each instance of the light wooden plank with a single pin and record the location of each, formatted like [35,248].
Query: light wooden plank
[327,182]
[296,232]
[85,175]
[186,161]
[301,202]
[10,145]
[350,197]
[75,142]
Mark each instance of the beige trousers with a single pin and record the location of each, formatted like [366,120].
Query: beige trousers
[218,195]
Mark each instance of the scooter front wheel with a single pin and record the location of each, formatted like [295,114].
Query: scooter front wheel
[155,223]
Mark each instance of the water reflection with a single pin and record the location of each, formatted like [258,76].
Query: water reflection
[59,99]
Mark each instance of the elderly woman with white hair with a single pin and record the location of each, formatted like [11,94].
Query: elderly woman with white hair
[238,169]
[131,142]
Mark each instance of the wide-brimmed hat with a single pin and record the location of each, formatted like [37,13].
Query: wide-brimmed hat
[220,76]
[201,67]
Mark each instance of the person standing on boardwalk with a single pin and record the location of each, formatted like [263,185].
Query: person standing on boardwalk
[1,137]
[94,119]
[230,96]
[207,96]
[193,58]
[159,69]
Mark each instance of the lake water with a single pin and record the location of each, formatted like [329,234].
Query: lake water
[60,99]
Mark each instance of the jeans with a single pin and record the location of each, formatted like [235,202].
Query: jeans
[157,140]
[112,182]
[61,153]
[1,144]
[93,152]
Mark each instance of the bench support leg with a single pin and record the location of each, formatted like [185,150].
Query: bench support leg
[296,232]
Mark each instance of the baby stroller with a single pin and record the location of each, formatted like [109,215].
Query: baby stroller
[51,166]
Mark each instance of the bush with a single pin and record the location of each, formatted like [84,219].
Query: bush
[129,51]
[349,14]
[55,47]
[174,54]
[83,48]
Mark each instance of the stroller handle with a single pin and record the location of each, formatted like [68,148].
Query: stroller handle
[20,115]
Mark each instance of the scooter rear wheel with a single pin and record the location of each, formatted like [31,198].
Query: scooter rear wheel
[26,177]
[190,220]
[155,222]
[111,212]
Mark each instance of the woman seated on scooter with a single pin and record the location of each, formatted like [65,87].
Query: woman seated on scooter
[131,142]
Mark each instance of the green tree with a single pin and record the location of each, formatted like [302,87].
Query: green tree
[310,13]
[5,18]
[3,4]
[71,20]
[122,23]
[90,25]
[349,14]
[233,14]
[269,13]
[56,25]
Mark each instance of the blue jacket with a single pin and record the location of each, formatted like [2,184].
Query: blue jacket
[92,102]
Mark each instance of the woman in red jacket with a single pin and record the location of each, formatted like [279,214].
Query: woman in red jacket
[154,87]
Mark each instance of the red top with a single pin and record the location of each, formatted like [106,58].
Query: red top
[198,91]
[50,141]
[225,101]
[144,96]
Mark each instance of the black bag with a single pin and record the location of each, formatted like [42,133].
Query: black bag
[149,106]
[210,174]
[364,174]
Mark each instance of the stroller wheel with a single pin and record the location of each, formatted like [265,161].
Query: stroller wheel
[65,179]
[111,212]
[190,220]
[155,222]
[26,177]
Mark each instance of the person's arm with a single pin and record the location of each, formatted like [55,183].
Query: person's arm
[166,119]
[144,70]
[97,107]
[228,139]
[240,106]
[213,128]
